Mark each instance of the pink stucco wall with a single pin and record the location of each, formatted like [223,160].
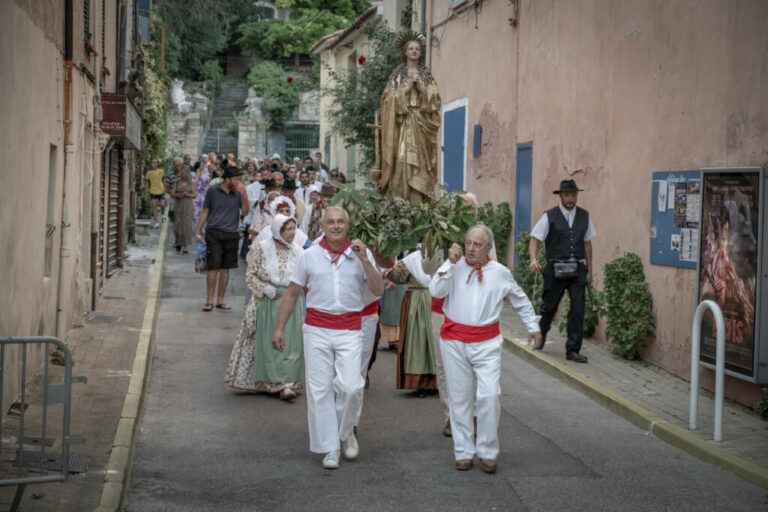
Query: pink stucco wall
[609,92]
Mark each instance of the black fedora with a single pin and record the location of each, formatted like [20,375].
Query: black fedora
[568,186]
[232,172]
[289,184]
[270,185]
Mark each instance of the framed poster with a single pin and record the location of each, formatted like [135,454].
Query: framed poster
[729,265]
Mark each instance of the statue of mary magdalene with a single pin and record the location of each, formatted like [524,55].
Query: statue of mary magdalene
[410,120]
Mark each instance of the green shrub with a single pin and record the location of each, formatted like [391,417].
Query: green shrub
[628,306]
[270,81]
[762,404]
[591,316]
[500,222]
[213,75]
[532,284]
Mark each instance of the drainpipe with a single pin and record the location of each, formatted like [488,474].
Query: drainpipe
[65,270]
[423,18]
[96,212]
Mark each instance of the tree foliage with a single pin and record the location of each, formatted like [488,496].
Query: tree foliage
[532,284]
[356,93]
[499,219]
[270,81]
[198,31]
[309,20]
[154,120]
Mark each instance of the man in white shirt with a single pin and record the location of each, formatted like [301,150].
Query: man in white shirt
[255,192]
[335,271]
[304,187]
[474,288]
[567,231]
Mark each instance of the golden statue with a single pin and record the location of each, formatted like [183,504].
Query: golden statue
[410,120]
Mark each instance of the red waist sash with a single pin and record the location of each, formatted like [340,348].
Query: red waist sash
[370,309]
[347,321]
[468,333]
[437,305]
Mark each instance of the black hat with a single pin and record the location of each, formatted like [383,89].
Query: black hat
[289,184]
[270,183]
[568,186]
[231,172]
[328,190]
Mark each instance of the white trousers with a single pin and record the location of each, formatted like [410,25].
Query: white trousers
[369,323]
[334,384]
[463,361]
[442,385]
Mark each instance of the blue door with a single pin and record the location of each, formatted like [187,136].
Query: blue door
[523,188]
[453,148]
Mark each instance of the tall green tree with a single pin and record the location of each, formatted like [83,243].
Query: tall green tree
[309,20]
[198,31]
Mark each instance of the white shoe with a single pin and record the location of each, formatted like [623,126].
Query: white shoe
[164,219]
[156,225]
[331,460]
[350,447]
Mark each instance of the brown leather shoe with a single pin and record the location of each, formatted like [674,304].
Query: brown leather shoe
[488,465]
[463,464]
[288,394]
[447,429]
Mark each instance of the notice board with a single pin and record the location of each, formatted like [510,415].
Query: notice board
[675,217]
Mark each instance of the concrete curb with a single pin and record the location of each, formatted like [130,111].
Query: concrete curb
[638,416]
[118,473]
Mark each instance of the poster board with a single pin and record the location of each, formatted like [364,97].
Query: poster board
[731,263]
[675,217]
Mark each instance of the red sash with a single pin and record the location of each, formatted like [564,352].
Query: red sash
[370,309]
[468,333]
[437,305]
[347,321]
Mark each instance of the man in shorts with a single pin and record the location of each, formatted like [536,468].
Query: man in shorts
[221,217]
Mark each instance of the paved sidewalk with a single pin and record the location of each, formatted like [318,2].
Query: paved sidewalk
[103,350]
[652,399]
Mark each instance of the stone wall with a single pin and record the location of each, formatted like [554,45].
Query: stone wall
[188,112]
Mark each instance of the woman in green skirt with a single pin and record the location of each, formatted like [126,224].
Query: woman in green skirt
[254,365]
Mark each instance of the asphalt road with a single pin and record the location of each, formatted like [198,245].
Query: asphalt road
[202,447]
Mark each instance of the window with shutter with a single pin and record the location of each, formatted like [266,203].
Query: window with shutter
[87,20]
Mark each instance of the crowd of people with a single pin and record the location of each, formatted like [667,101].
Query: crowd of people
[318,303]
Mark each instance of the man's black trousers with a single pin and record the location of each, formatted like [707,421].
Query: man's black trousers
[553,292]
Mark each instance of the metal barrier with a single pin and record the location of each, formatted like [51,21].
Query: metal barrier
[719,366]
[28,472]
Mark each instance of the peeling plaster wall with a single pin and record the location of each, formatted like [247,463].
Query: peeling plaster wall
[609,92]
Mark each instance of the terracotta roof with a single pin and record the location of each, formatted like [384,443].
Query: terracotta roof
[330,40]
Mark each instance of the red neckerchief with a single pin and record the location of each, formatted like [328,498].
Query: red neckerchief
[337,253]
[479,268]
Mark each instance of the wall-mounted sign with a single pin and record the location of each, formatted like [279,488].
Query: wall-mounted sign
[121,120]
[730,265]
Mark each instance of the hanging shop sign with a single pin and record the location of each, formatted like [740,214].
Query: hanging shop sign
[121,120]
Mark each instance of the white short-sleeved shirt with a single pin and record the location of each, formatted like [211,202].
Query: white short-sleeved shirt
[541,229]
[255,193]
[480,303]
[333,288]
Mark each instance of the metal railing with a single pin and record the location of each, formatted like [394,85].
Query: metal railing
[29,472]
[719,366]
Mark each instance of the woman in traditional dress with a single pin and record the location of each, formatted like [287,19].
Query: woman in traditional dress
[284,206]
[410,120]
[262,219]
[201,185]
[254,365]
[183,225]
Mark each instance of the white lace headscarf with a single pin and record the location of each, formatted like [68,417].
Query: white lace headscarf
[273,206]
[269,247]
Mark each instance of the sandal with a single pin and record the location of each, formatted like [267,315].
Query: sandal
[186,251]
[208,306]
[225,307]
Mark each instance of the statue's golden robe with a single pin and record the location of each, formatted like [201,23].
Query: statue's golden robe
[410,122]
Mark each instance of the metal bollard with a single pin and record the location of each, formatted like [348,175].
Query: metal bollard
[719,366]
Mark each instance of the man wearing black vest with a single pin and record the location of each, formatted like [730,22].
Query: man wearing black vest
[566,231]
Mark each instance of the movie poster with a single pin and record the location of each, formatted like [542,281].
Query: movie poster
[728,259]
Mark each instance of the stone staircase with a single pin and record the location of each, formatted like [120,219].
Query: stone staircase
[222,133]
